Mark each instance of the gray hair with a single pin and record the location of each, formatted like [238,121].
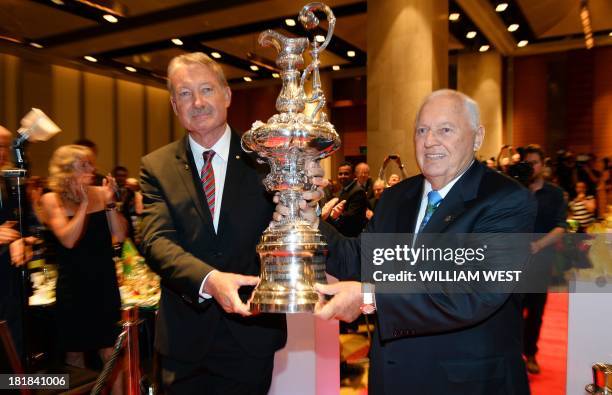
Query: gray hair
[470,106]
[195,58]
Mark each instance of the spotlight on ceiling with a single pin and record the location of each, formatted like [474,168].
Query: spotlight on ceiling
[254,68]
[454,16]
[90,58]
[247,79]
[350,54]
[289,22]
[335,67]
[522,43]
[514,27]
[130,69]
[110,18]
[501,7]
[471,34]
[177,41]
[36,45]
[275,75]
[483,48]
[215,55]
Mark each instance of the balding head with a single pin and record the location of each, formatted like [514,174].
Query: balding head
[362,172]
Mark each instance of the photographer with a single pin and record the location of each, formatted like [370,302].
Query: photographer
[396,158]
[550,220]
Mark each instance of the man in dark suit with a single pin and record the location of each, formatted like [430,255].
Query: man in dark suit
[353,219]
[426,343]
[200,237]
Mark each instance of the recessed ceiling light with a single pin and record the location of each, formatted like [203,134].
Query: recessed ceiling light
[177,41]
[215,55]
[483,48]
[58,2]
[36,45]
[514,27]
[610,34]
[254,68]
[130,69]
[90,58]
[522,43]
[110,18]
[275,75]
[289,22]
[501,7]
[471,34]
[335,67]
[350,54]
[247,79]
[454,16]
[319,38]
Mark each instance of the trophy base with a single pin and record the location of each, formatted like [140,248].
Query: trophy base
[279,302]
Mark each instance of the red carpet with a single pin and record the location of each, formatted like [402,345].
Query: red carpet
[552,354]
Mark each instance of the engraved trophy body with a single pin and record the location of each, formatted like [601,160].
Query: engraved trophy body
[292,254]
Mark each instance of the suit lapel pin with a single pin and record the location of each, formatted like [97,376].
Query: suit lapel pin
[448,218]
[237,156]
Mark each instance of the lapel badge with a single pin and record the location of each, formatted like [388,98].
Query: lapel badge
[448,218]
[237,156]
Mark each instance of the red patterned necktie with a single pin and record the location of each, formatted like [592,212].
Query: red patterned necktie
[207,175]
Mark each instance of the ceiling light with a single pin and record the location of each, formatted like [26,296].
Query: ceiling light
[350,54]
[454,16]
[610,34]
[289,22]
[335,67]
[483,48]
[36,45]
[177,41]
[58,2]
[275,75]
[514,27]
[130,69]
[247,79]
[471,34]
[501,7]
[215,55]
[90,58]
[110,18]
[254,68]
[319,38]
[522,43]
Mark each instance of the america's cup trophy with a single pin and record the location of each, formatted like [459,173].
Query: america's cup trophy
[292,253]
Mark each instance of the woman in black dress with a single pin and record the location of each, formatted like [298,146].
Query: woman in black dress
[84,221]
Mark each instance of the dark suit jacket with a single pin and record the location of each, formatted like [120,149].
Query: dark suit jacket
[180,244]
[446,343]
[353,219]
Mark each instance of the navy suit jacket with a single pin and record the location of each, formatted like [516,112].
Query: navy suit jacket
[445,343]
[180,244]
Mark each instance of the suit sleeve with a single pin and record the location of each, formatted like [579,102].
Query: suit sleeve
[429,313]
[353,218]
[179,270]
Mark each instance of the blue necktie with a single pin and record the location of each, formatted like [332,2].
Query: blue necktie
[433,201]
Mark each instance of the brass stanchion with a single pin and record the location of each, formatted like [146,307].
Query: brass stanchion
[132,374]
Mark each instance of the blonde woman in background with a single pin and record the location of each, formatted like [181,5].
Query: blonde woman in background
[83,218]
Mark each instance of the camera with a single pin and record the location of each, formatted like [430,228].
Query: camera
[522,172]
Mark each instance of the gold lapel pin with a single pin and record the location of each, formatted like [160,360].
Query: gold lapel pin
[237,156]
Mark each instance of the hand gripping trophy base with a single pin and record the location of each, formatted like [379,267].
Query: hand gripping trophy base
[292,258]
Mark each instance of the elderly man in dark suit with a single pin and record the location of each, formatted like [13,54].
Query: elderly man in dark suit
[426,343]
[200,237]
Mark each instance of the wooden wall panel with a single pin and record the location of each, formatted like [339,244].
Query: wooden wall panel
[99,112]
[10,92]
[36,91]
[159,112]
[602,103]
[530,97]
[66,84]
[130,125]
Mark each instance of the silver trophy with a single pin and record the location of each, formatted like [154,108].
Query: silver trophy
[292,253]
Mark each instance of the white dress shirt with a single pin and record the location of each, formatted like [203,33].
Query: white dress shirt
[219,165]
[442,191]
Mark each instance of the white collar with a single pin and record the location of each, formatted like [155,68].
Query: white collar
[221,147]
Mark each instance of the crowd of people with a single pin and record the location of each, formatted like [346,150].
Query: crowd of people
[199,209]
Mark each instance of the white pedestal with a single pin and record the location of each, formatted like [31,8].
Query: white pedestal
[589,337]
[310,363]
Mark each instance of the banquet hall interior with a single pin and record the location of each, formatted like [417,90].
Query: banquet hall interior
[540,72]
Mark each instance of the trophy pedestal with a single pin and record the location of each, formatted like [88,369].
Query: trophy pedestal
[292,260]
